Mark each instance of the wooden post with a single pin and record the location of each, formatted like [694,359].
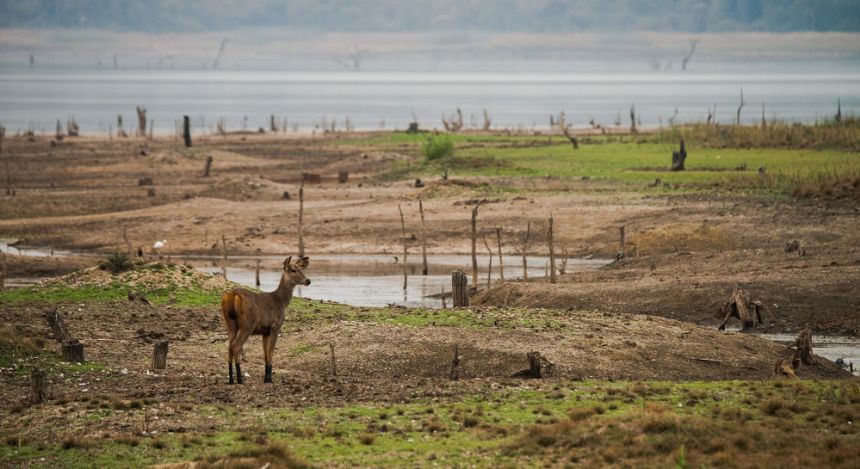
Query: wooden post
[490,251]
[333,362]
[208,166]
[186,131]
[424,269]
[224,261]
[622,247]
[501,261]
[159,355]
[405,251]
[459,289]
[551,252]
[525,250]
[257,274]
[125,239]
[475,244]
[38,386]
[455,364]
[73,351]
[444,304]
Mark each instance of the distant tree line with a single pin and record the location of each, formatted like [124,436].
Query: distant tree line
[448,15]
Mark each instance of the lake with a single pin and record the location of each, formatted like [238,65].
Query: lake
[516,94]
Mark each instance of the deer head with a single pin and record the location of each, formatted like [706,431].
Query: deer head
[293,274]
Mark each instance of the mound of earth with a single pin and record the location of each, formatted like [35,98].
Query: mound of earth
[244,188]
[146,277]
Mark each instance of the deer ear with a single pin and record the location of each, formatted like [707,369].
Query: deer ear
[287,262]
[303,262]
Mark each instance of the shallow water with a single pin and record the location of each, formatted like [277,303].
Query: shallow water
[829,347]
[514,93]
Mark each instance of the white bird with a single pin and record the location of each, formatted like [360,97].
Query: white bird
[159,244]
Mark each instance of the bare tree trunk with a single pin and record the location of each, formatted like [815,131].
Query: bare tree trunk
[208,166]
[333,362]
[224,260]
[525,250]
[740,106]
[159,355]
[551,252]
[141,122]
[301,208]
[501,261]
[459,289]
[38,386]
[257,274]
[475,244]
[632,119]
[186,131]
[424,269]
[273,126]
[405,250]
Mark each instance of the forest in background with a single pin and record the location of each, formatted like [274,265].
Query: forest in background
[558,16]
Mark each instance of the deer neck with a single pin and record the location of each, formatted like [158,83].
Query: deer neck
[284,293]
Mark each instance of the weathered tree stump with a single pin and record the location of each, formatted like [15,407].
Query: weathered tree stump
[159,355]
[150,192]
[459,289]
[455,364]
[419,183]
[343,177]
[257,274]
[141,122]
[208,166]
[58,328]
[785,366]
[742,307]
[534,364]
[804,346]
[286,195]
[413,128]
[38,386]
[73,351]
[792,246]
[551,244]
[622,243]
[144,181]
[186,131]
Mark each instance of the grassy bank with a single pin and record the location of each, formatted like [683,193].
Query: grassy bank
[582,423]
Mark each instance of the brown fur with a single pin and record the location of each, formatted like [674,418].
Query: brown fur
[248,313]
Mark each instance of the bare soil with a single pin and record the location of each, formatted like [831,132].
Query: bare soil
[82,193]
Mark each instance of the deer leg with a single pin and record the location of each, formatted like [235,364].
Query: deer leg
[267,378]
[236,350]
[231,336]
[270,350]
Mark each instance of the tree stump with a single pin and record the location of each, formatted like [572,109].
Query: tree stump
[333,362]
[343,177]
[413,128]
[38,386]
[208,166]
[311,178]
[58,328]
[678,158]
[159,355]
[186,131]
[742,307]
[459,289]
[150,192]
[73,351]
[621,242]
[804,346]
[534,364]
[455,364]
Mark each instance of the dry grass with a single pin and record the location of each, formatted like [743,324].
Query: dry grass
[844,135]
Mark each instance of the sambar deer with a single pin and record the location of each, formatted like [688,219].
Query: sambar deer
[248,313]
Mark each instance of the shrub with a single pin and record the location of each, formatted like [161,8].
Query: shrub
[437,147]
[116,263]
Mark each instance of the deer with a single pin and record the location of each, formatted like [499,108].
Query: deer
[249,313]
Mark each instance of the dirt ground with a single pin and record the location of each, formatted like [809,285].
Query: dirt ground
[685,252]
